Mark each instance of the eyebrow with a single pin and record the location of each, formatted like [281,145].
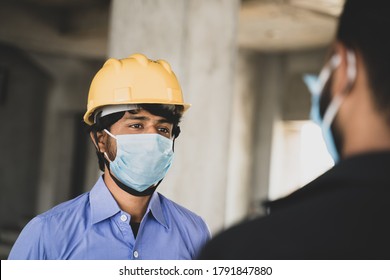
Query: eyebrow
[143,118]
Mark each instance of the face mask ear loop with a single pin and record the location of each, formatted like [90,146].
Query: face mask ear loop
[332,110]
[176,132]
[351,69]
[96,141]
[324,75]
[109,133]
[107,158]
[105,154]
[156,185]
[351,76]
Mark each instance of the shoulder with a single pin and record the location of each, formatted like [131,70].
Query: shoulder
[184,216]
[67,209]
[294,222]
[302,225]
[178,210]
[70,213]
[255,239]
[33,242]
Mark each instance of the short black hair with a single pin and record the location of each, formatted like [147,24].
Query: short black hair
[172,113]
[364,27]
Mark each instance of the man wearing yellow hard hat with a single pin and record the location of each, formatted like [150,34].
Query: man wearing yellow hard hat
[134,109]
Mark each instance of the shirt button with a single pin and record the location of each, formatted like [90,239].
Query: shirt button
[123,218]
[135,254]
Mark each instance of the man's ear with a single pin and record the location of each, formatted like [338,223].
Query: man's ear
[99,140]
[341,81]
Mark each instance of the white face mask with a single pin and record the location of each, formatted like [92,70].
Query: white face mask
[316,86]
[142,160]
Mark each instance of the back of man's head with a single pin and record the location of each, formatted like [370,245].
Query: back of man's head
[364,27]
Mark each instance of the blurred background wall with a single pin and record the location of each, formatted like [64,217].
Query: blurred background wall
[246,138]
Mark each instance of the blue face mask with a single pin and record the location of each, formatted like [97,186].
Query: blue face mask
[142,160]
[316,86]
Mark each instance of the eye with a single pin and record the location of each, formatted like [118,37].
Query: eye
[164,130]
[136,125]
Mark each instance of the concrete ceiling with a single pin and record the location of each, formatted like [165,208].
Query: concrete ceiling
[58,27]
[277,26]
[60,3]
[80,27]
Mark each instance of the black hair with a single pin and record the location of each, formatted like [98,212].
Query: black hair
[172,113]
[364,27]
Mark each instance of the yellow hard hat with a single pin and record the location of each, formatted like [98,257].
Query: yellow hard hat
[133,80]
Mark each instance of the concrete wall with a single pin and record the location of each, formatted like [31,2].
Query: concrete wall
[23,99]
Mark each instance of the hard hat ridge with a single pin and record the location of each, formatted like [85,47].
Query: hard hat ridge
[141,59]
[165,65]
[117,64]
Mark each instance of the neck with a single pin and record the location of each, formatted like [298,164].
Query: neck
[364,127]
[368,132]
[374,141]
[134,205]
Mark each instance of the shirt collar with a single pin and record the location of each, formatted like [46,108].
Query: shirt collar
[156,209]
[103,204]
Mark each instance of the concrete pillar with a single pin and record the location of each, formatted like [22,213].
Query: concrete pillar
[239,185]
[268,87]
[198,38]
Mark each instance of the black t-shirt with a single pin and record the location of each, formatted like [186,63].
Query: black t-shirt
[135,228]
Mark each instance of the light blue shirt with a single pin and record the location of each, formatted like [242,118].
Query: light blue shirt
[93,227]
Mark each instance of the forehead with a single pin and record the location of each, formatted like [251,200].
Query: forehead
[143,115]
